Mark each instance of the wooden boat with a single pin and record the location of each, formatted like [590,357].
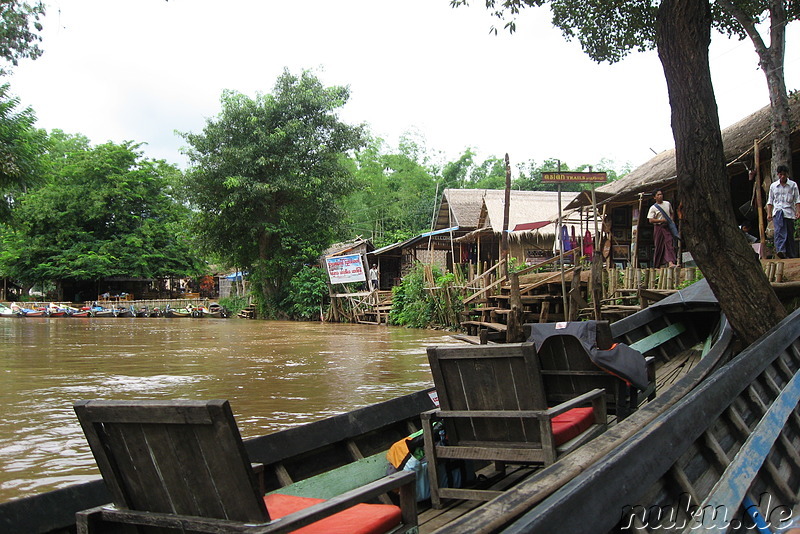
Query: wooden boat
[99,311]
[722,457]
[336,446]
[78,312]
[125,312]
[5,311]
[178,312]
[54,310]
[28,312]
[214,310]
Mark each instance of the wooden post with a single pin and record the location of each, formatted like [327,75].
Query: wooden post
[762,230]
[504,237]
[561,250]
[514,332]
[635,233]
[576,300]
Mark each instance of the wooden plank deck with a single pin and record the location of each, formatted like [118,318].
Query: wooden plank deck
[431,519]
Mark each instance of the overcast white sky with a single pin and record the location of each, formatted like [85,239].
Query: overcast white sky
[140,69]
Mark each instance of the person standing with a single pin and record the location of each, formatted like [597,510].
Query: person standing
[373,278]
[660,216]
[783,207]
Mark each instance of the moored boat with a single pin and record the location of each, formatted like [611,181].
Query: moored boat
[22,311]
[304,452]
[216,310]
[99,311]
[179,312]
[79,312]
[723,457]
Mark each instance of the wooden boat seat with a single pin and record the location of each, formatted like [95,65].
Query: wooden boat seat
[578,357]
[492,403]
[182,465]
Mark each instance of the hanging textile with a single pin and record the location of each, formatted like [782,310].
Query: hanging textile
[565,238]
[588,244]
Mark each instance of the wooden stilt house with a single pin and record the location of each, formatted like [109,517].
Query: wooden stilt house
[623,204]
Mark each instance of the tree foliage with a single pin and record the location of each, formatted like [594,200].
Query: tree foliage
[308,292]
[21,149]
[19,27]
[103,211]
[267,176]
[395,191]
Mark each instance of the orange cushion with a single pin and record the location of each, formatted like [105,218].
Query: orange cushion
[570,424]
[360,519]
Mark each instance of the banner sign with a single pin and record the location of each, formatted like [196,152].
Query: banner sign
[344,269]
[573,177]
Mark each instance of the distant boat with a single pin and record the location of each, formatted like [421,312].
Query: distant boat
[28,312]
[178,312]
[5,311]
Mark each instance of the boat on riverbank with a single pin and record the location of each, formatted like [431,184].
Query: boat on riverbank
[304,452]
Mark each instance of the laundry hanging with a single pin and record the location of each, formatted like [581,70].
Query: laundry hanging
[588,244]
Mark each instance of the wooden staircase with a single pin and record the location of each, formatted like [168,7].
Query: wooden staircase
[377,310]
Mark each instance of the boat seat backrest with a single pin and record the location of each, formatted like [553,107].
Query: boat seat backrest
[177,457]
[488,378]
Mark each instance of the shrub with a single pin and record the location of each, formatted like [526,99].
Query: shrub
[308,290]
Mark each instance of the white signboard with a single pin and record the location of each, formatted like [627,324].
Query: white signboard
[344,269]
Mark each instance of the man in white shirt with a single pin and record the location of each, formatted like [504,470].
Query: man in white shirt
[783,207]
[373,278]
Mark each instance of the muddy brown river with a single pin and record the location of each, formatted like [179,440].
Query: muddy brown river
[276,374]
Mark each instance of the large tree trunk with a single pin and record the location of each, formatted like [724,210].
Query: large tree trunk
[717,245]
[772,61]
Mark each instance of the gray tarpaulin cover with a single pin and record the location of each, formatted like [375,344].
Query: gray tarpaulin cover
[620,360]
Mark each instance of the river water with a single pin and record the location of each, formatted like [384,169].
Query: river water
[276,374]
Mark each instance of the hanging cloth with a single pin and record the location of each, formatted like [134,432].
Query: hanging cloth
[588,244]
[565,238]
[573,240]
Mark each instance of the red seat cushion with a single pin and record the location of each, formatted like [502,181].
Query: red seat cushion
[360,519]
[570,424]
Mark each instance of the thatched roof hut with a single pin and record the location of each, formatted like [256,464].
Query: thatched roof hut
[626,201]
[738,141]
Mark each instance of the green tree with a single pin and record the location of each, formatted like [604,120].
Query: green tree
[608,31]
[395,192]
[530,174]
[103,211]
[19,27]
[681,30]
[267,176]
[456,174]
[21,149]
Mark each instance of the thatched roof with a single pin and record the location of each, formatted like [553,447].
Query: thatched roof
[460,207]
[484,208]
[358,244]
[525,207]
[660,171]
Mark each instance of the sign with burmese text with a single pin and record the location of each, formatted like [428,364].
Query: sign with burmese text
[344,269]
[574,177]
